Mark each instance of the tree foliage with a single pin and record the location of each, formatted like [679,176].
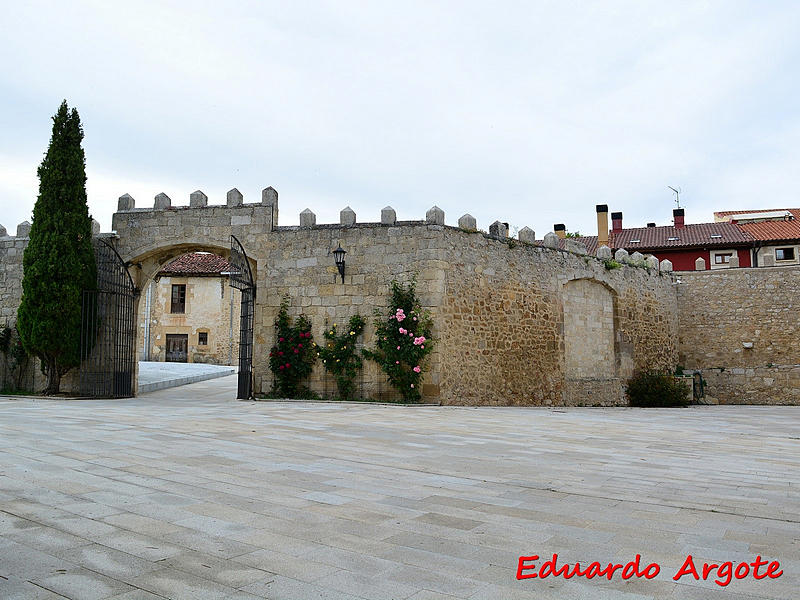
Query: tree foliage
[403,340]
[59,260]
[15,359]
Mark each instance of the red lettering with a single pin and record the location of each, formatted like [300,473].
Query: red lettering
[725,570]
[626,574]
[576,570]
[758,563]
[707,568]
[610,570]
[651,567]
[549,567]
[739,575]
[771,569]
[521,566]
[687,569]
[593,570]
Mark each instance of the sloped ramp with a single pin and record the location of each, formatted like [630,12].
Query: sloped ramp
[162,375]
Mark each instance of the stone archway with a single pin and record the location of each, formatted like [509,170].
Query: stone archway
[147,239]
[590,345]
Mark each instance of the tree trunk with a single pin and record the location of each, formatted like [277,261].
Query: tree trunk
[53,377]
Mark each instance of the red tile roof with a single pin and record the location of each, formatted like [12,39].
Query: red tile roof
[196,263]
[772,230]
[690,235]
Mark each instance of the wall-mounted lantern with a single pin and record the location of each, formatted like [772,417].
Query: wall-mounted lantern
[338,256]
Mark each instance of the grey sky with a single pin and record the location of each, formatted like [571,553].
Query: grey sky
[526,112]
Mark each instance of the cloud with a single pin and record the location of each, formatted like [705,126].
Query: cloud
[529,113]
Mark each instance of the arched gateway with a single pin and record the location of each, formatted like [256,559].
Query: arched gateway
[144,240]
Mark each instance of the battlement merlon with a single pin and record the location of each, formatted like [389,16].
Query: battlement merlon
[234,212]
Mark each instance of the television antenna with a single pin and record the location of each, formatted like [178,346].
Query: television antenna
[677,195]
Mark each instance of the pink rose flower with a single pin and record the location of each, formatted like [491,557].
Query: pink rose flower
[417,369]
[402,331]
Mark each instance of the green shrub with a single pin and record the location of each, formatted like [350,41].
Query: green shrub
[403,340]
[656,388]
[340,358]
[292,357]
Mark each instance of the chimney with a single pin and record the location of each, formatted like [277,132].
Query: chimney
[560,229]
[651,224]
[677,215]
[616,222]
[602,224]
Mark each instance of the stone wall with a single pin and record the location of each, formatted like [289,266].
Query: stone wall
[506,312]
[498,310]
[756,385]
[11,250]
[511,310]
[298,264]
[740,328]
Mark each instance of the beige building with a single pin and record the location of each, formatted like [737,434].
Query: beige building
[189,313]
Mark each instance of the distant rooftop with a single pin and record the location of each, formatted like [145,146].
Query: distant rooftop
[197,263]
[669,236]
[784,226]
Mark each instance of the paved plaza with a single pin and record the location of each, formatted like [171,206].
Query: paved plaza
[155,376]
[188,493]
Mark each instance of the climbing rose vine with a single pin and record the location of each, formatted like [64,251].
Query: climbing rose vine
[340,358]
[292,357]
[403,341]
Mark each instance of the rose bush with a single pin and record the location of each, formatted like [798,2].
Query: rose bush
[403,341]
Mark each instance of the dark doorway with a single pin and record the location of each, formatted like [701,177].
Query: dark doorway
[177,347]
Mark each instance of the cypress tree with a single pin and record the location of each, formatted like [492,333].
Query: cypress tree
[59,260]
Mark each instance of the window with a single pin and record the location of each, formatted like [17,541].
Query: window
[784,253]
[178,299]
[722,259]
[202,338]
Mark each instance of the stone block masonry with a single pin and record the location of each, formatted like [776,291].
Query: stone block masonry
[11,251]
[517,322]
[739,328]
[504,314]
[536,326]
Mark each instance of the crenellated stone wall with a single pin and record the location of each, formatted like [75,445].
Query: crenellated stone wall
[740,329]
[11,251]
[505,311]
[511,312]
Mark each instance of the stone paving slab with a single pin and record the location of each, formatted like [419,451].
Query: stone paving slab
[154,376]
[191,494]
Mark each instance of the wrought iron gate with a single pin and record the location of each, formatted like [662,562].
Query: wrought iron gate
[241,277]
[108,328]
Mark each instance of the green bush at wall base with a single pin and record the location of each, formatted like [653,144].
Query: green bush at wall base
[656,388]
